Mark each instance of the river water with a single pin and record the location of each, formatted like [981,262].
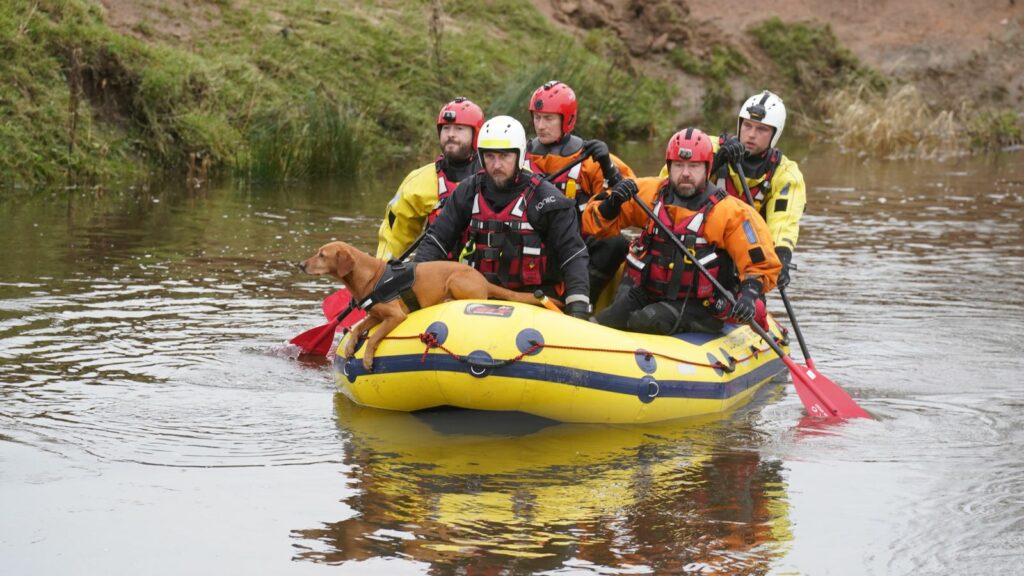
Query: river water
[152,421]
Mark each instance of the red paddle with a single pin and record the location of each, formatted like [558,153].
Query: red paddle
[821,397]
[335,303]
[318,340]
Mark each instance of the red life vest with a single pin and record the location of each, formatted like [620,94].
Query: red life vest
[656,264]
[503,245]
[445,187]
[759,191]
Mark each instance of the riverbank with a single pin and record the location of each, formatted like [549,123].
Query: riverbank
[107,93]
[273,90]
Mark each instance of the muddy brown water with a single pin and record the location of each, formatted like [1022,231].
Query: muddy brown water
[152,422]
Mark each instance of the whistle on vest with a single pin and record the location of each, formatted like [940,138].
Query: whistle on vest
[468,250]
[689,241]
[570,189]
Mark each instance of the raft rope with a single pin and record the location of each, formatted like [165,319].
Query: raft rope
[430,340]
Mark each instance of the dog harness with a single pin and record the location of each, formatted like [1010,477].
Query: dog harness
[395,282]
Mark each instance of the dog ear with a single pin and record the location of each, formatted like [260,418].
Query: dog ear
[343,262]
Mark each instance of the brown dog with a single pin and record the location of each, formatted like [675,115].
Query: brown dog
[435,282]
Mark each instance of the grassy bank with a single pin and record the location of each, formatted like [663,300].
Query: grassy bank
[278,89]
[282,89]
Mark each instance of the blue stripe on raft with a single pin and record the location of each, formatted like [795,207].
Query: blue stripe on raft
[412,363]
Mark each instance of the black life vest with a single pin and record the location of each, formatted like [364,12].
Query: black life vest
[656,264]
[503,245]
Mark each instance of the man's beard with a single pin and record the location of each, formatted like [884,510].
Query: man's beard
[503,185]
[685,192]
[459,154]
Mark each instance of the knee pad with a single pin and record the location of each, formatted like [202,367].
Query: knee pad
[607,254]
[657,318]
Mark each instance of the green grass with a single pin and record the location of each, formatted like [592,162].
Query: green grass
[717,67]
[284,89]
[811,62]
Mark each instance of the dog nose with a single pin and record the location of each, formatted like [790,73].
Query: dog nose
[302,266]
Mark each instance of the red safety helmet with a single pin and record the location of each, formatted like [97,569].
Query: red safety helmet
[463,112]
[690,145]
[555,97]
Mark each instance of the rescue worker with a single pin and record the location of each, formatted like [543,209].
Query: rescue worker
[516,228]
[662,291]
[424,191]
[775,181]
[554,110]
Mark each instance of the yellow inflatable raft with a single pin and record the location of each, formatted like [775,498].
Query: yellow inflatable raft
[494,355]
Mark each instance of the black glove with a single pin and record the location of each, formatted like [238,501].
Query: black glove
[729,151]
[785,255]
[621,193]
[746,301]
[578,309]
[598,150]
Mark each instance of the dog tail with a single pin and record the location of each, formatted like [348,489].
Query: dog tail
[501,293]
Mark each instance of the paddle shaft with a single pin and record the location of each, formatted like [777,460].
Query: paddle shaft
[738,167]
[566,168]
[743,180]
[800,378]
[796,328]
[818,393]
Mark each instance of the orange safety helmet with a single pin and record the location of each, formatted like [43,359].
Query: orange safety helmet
[464,112]
[554,97]
[690,145]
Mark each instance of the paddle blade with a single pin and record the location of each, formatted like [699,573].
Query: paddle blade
[822,397]
[317,340]
[335,303]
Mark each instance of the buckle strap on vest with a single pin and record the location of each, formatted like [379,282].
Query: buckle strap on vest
[395,282]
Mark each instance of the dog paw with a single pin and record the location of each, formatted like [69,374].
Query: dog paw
[368,364]
[349,350]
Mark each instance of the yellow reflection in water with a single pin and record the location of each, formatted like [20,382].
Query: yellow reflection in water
[485,491]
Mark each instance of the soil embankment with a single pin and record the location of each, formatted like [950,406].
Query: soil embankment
[952,50]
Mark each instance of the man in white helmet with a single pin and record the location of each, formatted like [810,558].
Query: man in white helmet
[513,226]
[775,181]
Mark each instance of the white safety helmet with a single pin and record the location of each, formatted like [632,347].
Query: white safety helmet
[503,133]
[766,108]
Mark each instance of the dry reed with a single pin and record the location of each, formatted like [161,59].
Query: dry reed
[899,124]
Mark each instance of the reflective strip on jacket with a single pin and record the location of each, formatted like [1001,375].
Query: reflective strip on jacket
[503,244]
